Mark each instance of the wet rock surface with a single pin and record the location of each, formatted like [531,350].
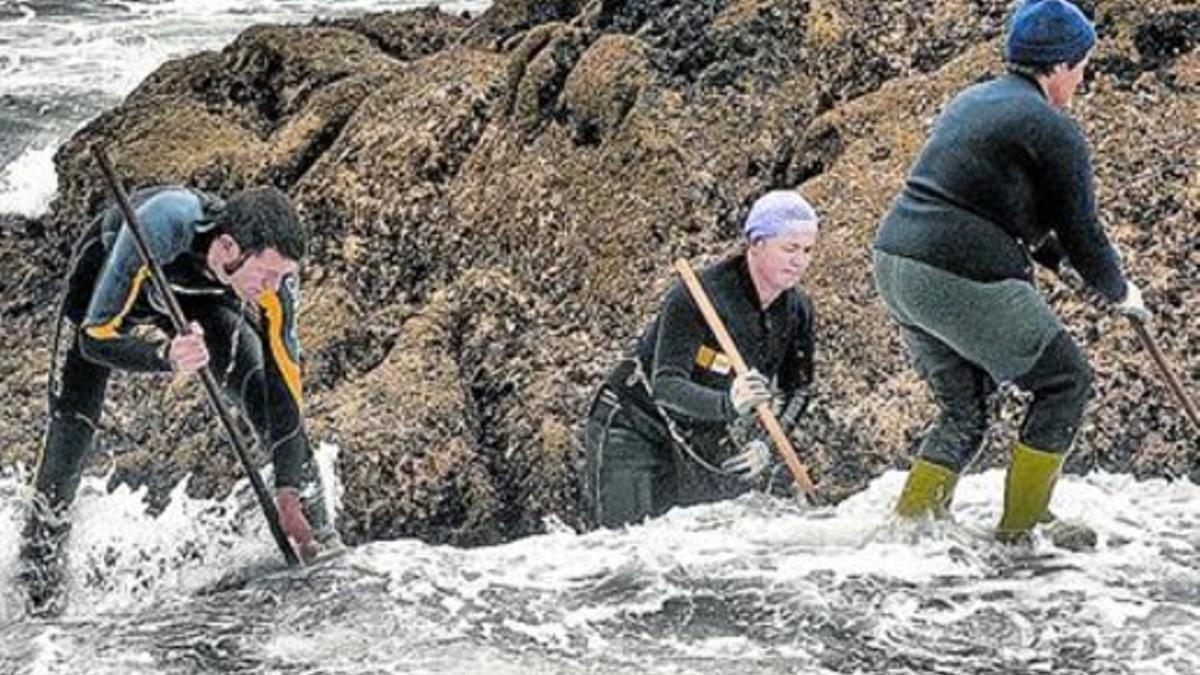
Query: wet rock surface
[496,201]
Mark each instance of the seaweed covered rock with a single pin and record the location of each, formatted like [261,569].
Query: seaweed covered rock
[496,201]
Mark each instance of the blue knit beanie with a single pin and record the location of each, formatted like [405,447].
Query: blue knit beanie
[779,213]
[1047,32]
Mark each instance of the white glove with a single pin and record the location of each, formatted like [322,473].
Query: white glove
[1132,304]
[751,461]
[747,391]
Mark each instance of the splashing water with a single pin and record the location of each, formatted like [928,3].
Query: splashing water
[754,585]
[64,61]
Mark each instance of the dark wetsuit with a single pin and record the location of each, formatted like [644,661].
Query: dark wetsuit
[110,302]
[1003,176]
[659,426]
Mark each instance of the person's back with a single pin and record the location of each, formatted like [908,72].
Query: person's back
[1002,173]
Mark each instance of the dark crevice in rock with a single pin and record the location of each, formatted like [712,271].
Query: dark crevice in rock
[358,353]
[313,85]
[256,79]
[257,69]
[1123,68]
[1159,41]
[500,27]
[537,74]
[459,138]
[784,155]
[288,175]
[565,53]
[518,66]
[492,352]
[585,132]
[819,150]
[1167,36]
[934,54]
[860,73]
[408,35]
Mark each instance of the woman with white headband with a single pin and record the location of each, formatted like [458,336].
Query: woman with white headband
[662,427]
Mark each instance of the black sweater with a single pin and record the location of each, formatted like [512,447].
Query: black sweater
[1002,173]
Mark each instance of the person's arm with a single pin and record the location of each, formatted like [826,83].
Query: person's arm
[796,371]
[103,337]
[681,333]
[1068,204]
[1049,252]
[126,352]
[283,396]
[286,440]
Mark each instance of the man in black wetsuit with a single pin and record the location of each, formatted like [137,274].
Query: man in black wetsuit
[659,430]
[234,268]
[1005,175]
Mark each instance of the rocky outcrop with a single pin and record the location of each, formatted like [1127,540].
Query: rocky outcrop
[495,204]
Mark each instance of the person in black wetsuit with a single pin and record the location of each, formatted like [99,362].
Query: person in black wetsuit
[234,268]
[1005,177]
[662,427]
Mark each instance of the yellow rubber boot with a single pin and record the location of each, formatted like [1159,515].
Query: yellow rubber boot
[927,492]
[1032,474]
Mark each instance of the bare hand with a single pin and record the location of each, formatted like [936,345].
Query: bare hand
[295,524]
[188,353]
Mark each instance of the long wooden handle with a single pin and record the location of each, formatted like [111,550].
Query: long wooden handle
[766,416]
[1172,382]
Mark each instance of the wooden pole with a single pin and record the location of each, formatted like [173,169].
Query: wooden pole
[1172,382]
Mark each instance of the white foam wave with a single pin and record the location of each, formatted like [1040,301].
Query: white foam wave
[120,557]
[707,589]
[97,53]
[28,183]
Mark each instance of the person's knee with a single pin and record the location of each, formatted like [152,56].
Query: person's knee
[66,446]
[962,422]
[1063,373]
[1062,384]
[968,423]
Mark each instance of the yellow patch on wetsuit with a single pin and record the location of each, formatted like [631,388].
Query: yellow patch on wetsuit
[290,370]
[713,360]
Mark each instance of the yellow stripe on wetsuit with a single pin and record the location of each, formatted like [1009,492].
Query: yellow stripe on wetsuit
[290,370]
[108,329]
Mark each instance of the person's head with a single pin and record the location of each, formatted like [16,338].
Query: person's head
[781,231]
[259,240]
[1050,41]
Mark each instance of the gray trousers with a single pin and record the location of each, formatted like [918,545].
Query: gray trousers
[966,336]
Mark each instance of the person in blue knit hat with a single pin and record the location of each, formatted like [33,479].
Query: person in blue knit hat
[1004,180]
[671,425]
